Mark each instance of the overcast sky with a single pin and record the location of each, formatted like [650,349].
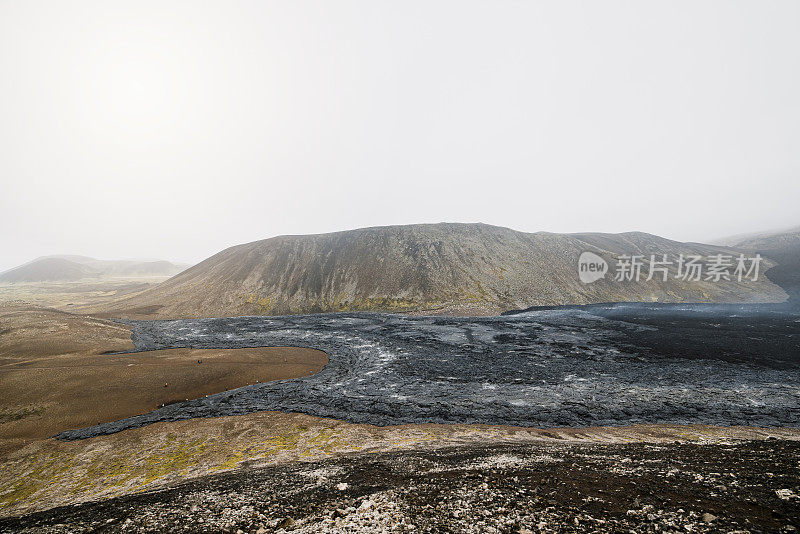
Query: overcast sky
[175,129]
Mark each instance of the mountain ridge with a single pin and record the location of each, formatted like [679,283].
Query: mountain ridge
[443,268]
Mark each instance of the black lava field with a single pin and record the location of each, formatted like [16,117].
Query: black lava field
[613,364]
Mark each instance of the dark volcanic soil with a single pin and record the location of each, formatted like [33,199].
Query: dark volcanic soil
[750,486]
[591,366]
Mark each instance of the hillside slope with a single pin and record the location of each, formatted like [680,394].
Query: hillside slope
[438,268]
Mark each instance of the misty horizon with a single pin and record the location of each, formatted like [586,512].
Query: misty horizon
[192,262]
[173,131]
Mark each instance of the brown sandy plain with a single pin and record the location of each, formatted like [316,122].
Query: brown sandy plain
[76,295]
[57,373]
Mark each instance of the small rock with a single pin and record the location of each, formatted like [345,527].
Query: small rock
[341,486]
[708,518]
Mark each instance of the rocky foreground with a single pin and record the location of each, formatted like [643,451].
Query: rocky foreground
[751,486]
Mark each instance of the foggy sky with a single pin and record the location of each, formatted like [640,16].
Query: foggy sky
[175,129]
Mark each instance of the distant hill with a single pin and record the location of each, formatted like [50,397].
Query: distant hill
[74,268]
[49,270]
[782,247]
[763,240]
[438,268]
[131,268]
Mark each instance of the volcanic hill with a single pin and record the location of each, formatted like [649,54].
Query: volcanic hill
[446,268]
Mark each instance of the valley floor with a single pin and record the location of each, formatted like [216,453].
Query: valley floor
[255,470]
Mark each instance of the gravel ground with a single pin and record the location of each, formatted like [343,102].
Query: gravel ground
[589,366]
[743,487]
